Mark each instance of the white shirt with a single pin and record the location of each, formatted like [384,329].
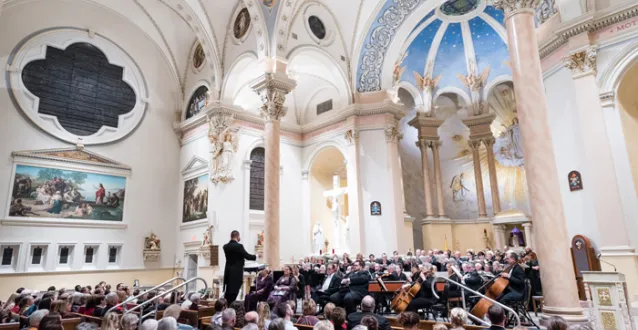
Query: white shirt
[326,283]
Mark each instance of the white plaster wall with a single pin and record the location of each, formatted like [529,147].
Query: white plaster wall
[152,150]
[380,231]
[580,213]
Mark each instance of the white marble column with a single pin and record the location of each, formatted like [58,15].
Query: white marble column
[246,230]
[599,166]
[560,294]
[355,224]
[424,144]
[438,181]
[499,236]
[475,145]
[306,219]
[272,87]
[392,137]
[527,229]
[491,164]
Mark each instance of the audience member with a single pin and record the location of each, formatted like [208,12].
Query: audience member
[62,307]
[367,308]
[251,319]
[284,311]
[87,326]
[458,318]
[129,321]
[229,318]
[240,313]
[195,300]
[309,309]
[360,327]
[220,306]
[409,320]
[174,311]
[557,323]
[111,321]
[369,322]
[439,326]
[338,318]
[496,315]
[277,324]
[52,322]
[327,309]
[324,325]
[263,310]
[167,323]
[36,318]
[150,324]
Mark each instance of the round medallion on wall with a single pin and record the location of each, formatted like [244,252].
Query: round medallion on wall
[78,88]
[459,7]
[242,23]
[317,27]
[199,57]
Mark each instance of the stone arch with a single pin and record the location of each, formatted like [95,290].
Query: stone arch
[317,150]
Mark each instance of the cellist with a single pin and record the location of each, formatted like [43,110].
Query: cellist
[425,298]
[516,276]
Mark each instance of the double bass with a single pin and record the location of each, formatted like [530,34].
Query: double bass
[403,298]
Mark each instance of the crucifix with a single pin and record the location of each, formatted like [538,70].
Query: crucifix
[335,195]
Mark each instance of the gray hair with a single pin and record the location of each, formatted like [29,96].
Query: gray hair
[360,327]
[77,298]
[37,316]
[167,323]
[112,298]
[250,326]
[228,315]
[129,321]
[87,326]
[196,297]
[150,324]
[324,325]
[367,304]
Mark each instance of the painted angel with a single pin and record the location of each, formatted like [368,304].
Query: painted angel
[475,84]
[398,70]
[427,85]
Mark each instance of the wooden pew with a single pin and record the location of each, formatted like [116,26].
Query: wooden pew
[304,327]
[89,318]
[428,325]
[189,317]
[205,311]
[70,324]
[10,326]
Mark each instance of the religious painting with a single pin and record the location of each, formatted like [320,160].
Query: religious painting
[575,181]
[197,102]
[242,23]
[608,320]
[42,192]
[458,188]
[195,198]
[375,208]
[198,56]
[269,3]
[604,297]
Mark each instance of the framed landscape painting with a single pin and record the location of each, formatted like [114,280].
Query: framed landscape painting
[48,192]
[195,198]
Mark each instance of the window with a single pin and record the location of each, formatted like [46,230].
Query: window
[64,255]
[113,252]
[89,254]
[7,256]
[257,156]
[317,27]
[36,256]
[324,107]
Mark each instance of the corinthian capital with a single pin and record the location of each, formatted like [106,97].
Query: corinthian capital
[489,141]
[351,135]
[582,63]
[273,88]
[512,6]
[393,134]
[474,144]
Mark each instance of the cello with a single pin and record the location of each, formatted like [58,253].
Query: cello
[493,289]
[403,298]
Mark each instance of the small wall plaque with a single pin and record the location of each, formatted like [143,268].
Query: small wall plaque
[375,208]
[575,181]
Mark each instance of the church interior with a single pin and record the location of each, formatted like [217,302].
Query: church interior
[137,135]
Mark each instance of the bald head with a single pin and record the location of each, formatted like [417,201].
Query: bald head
[367,304]
[251,317]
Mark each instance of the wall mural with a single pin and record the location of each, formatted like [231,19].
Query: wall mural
[198,102]
[42,192]
[195,198]
[242,23]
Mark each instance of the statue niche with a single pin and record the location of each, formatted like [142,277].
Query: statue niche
[152,248]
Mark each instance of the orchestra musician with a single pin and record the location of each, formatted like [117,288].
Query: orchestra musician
[425,297]
[353,288]
[396,273]
[330,286]
[516,276]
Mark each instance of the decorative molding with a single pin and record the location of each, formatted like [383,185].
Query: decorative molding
[474,144]
[485,119]
[489,141]
[582,63]
[435,145]
[273,88]
[351,136]
[393,134]
[74,155]
[511,7]
[195,165]
[65,223]
[608,99]
[194,224]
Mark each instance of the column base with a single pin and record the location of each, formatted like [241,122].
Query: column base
[571,315]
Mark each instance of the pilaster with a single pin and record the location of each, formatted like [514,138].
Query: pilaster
[357,232]
[475,145]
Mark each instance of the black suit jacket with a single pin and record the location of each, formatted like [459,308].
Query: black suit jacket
[496,327]
[334,286]
[234,270]
[359,282]
[354,319]
[517,279]
[395,277]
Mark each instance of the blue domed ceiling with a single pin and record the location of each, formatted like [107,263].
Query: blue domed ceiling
[448,41]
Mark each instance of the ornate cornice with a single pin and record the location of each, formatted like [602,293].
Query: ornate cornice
[423,120]
[586,23]
[607,99]
[72,155]
[485,119]
[582,62]
[273,88]
[511,7]
[393,133]
[474,144]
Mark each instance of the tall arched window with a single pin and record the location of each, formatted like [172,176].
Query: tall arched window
[257,179]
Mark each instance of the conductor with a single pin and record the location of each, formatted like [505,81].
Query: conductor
[234,270]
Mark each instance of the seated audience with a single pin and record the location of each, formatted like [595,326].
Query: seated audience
[129,321]
[45,304]
[338,318]
[150,324]
[367,309]
[24,305]
[251,318]
[369,322]
[557,323]
[229,318]
[284,311]
[409,320]
[263,286]
[52,321]
[174,311]
[111,321]
[220,306]
[277,324]
[263,310]
[87,326]
[496,315]
[100,307]
[458,318]
[309,310]
[167,323]
[76,301]
[324,325]
[61,307]
[240,313]
[36,318]
[439,326]
[327,310]
[195,301]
